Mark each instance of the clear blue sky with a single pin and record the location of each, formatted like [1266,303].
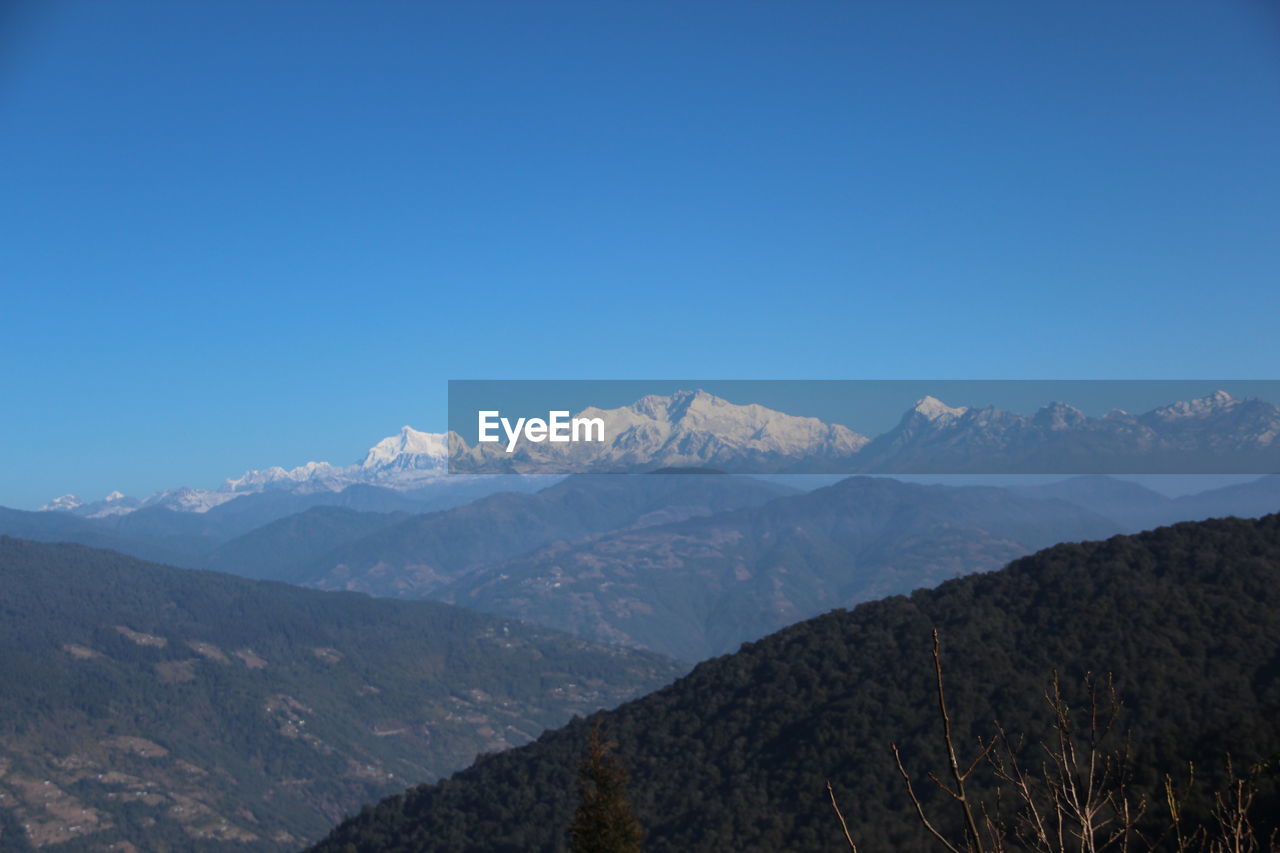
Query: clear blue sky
[242,234]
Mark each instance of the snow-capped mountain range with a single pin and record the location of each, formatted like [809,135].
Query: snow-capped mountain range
[408,460]
[1213,434]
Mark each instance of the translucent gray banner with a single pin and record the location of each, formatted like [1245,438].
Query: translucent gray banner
[922,427]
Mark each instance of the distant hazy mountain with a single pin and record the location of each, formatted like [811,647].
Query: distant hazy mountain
[188,539]
[1132,505]
[63,527]
[1248,500]
[736,755]
[419,555]
[701,587]
[1136,507]
[685,429]
[248,512]
[181,710]
[277,549]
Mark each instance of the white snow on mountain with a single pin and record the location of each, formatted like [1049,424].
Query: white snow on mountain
[1200,407]
[933,409]
[685,429]
[397,457]
[66,503]
[115,503]
[185,499]
[320,475]
[407,460]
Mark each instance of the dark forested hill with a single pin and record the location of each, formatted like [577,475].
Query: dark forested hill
[735,755]
[181,710]
[415,557]
[701,587]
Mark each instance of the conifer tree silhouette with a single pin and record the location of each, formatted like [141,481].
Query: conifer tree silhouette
[604,821]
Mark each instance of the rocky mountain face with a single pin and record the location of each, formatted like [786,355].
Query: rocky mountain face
[181,710]
[701,587]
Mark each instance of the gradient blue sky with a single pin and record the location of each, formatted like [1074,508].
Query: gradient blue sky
[243,234]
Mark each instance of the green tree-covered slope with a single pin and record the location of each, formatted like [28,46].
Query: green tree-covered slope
[735,755]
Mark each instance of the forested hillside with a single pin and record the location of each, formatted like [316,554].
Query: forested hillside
[185,710]
[735,755]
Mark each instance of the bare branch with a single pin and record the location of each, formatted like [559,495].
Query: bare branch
[853,848]
[971,824]
[915,801]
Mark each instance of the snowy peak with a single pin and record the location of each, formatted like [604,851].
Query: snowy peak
[673,407]
[1059,416]
[408,442]
[185,499]
[403,460]
[316,473]
[932,409]
[115,503]
[1215,403]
